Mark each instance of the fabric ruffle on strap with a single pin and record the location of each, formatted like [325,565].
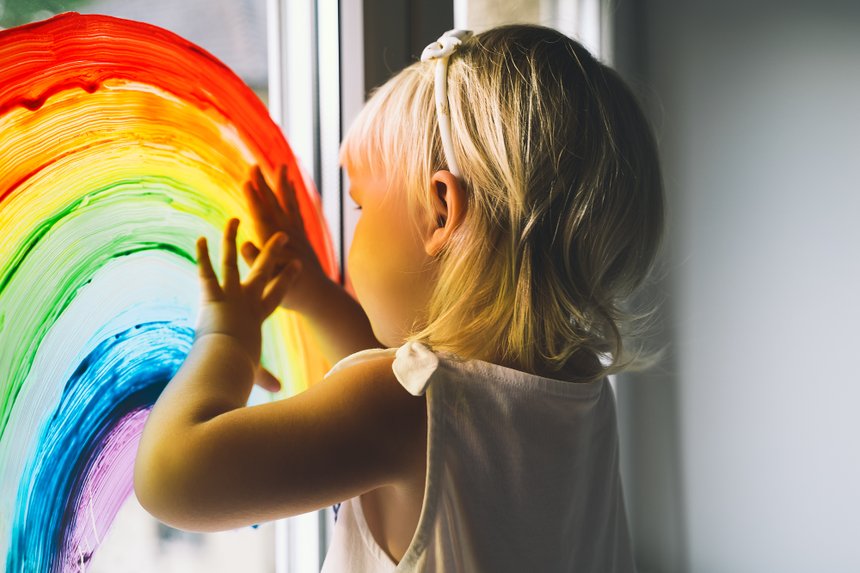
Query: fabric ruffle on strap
[414,366]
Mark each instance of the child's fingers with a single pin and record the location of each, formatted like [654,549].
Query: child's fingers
[288,194]
[228,260]
[273,209]
[284,213]
[264,220]
[265,262]
[266,192]
[250,252]
[288,191]
[208,279]
[278,287]
[266,380]
[255,203]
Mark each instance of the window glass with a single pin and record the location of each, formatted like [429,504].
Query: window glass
[234,31]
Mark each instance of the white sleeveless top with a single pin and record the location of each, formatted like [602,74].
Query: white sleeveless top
[522,474]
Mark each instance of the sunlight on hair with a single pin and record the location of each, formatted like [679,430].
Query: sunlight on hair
[565,208]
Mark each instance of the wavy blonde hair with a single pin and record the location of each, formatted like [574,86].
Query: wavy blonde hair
[564,191]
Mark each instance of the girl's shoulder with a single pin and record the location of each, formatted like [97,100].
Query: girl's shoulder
[358,357]
[414,364]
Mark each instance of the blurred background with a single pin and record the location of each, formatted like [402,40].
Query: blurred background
[740,452]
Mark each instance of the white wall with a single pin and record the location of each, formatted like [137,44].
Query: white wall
[743,454]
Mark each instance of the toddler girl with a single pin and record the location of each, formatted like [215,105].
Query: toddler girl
[511,203]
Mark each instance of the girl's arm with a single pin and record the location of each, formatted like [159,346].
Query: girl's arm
[207,462]
[338,323]
[353,432]
[335,320]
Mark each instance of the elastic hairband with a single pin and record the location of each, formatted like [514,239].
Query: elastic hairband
[441,50]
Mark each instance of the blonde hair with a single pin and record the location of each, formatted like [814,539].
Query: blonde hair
[564,213]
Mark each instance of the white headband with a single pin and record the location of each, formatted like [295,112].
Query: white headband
[441,50]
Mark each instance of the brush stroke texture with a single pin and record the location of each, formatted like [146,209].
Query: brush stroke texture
[120,144]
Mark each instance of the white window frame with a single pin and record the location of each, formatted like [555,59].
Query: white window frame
[316,88]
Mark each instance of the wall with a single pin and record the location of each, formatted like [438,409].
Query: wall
[396,32]
[741,454]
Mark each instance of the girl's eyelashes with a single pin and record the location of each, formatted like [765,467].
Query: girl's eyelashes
[358,207]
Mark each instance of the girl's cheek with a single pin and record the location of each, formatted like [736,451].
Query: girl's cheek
[354,245]
[350,263]
[356,265]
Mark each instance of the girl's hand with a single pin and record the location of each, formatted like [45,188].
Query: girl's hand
[271,217]
[236,308]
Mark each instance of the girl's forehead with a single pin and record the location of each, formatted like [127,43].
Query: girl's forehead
[363,173]
[352,169]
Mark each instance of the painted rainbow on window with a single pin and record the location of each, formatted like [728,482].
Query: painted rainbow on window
[120,144]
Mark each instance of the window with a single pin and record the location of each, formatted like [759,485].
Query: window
[238,32]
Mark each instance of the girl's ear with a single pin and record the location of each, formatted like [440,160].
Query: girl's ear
[448,199]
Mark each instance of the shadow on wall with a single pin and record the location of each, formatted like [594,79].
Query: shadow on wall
[739,453]
[650,442]
[648,402]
